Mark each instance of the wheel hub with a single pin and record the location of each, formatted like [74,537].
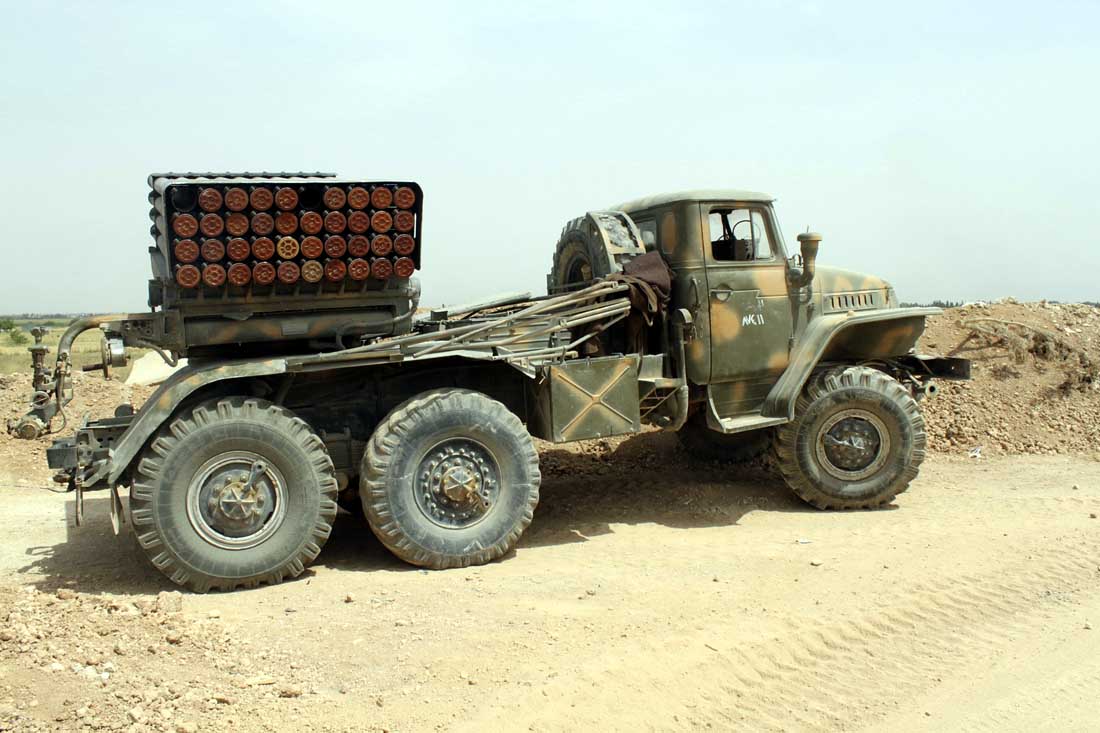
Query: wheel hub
[237,500]
[853,444]
[457,483]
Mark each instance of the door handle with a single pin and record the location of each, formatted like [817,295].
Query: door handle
[721,295]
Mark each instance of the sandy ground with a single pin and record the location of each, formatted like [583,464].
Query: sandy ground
[647,599]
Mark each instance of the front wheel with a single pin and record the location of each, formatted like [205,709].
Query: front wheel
[856,442]
[450,478]
[233,493]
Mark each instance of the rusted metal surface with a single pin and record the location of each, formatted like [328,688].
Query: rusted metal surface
[188,276]
[381,197]
[263,224]
[312,247]
[358,197]
[286,222]
[381,269]
[236,198]
[286,198]
[335,222]
[213,275]
[312,222]
[238,249]
[213,250]
[186,251]
[334,197]
[263,273]
[211,225]
[185,225]
[335,246]
[404,245]
[312,271]
[239,274]
[358,246]
[404,197]
[261,198]
[404,221]
[404,267]
[236,224]
[210,199]
[381,245]
[358,222]
[288,273]
[381,221]
[358,269]
[335,270]
[263,248]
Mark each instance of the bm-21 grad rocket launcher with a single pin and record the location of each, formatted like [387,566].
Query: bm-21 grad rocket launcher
[253,264]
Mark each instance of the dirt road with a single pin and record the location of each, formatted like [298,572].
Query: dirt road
[638,600]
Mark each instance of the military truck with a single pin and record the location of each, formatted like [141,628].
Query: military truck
[680,312]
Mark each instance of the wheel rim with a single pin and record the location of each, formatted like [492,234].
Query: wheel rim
[457,483]
[236,500]
[853,444]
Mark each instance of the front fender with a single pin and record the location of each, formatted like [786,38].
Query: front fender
[163,403]
[853,336]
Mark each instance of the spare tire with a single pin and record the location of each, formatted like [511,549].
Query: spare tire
[593,246]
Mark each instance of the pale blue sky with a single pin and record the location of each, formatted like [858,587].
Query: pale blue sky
[949,147]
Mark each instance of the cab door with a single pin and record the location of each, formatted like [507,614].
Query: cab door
[750,311]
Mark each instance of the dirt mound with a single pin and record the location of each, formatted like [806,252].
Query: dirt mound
[23,462]
[1036,379]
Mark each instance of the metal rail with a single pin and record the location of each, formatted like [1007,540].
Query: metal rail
[522,335]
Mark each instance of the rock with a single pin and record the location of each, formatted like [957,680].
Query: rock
[816,563]
[7,635]
[169,601]
[213,614]
[175,636]
[136,714]
[262,679]
[66,594]
[1092,515]
[290,692]
[1088,626]
[119,649]
[90,674]
[57,667]
[187,727]
[349,598]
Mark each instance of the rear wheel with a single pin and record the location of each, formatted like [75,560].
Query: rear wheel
[857,440]
[235,492]
[450,478]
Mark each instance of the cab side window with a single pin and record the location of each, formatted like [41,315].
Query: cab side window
[648,229]
[739,235]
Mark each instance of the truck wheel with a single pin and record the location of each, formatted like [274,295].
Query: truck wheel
[702,442]
[583,254]
[856,442]
[450,478]
[235,492]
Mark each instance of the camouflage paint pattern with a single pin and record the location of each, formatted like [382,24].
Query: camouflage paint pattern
[751,320]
